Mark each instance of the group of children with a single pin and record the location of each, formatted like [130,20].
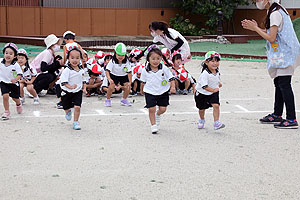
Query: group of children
[162,74]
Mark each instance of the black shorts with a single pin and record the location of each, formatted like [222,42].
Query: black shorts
[181,85]
[69,99]
[12,89]
[157,100]
[138,88]
[204,101]
[119,79]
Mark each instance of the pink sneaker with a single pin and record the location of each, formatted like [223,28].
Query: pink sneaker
[19,109]
[5,115]
[201,123]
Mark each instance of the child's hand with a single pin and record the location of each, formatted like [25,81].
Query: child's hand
[142,92]
[249,24]
[13,80]
[84,91]
[220,85]
[111,81]
[216,90]
[74,86]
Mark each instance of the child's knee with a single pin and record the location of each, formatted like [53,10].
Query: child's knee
[77,108]
[215,106]
[5,96]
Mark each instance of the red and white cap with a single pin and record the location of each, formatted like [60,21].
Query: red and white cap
[96,69]
[138,68]
[22,52]
[166,51]
[68,32]
[135,52]
[176,53]
[108,54]
[100,54]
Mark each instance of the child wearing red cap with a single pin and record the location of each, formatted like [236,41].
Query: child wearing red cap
[10,74]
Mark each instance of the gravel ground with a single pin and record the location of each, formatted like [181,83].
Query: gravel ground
[115,156]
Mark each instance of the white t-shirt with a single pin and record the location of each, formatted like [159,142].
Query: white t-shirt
[29,73]
[9,72]
[276,20]
[157,83]
[119,69]
[207,79]
[45,56]
[71,77]
[170,43]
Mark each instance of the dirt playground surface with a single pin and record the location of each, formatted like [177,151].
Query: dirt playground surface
[115,156]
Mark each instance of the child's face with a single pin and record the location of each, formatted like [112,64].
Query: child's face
[167,56]
[21,60]
[84,58]
[9,55]
[74,58]
[120,58]
[154,59]
[106,61]
[97,58]
[177,62]
[213,64]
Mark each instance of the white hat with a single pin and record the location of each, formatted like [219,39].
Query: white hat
[274,1]
[51,40]
[68,32]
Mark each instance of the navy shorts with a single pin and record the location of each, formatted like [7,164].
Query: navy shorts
[157,100]
[9,88]
[69,99]
[204,101]
[119,79]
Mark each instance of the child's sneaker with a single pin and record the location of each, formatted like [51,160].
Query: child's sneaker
[133,93]
[22,100]
[154,129]
[125,102]
[5,115]
[157,119]
[201,123]
[76,125]
[69,115]
[59,105]
[218,125]
[19,109]
[287,124]
[107,102]
[185,92]
[36,101]
[270,119]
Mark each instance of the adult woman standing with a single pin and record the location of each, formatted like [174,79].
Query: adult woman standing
[171,38]
[283,51]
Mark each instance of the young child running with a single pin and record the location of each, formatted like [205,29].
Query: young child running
[207,89]
[29,75]
[72,85]
[118,71]
[155,79]
[10,74]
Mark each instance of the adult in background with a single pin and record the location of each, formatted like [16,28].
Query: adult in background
[283,51]
[47,64]
[171,38]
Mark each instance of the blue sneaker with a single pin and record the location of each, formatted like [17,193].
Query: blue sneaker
[76,125]
[69,115]
[218,125]
[125,102]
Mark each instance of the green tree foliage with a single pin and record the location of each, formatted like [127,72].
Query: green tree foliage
[210,8]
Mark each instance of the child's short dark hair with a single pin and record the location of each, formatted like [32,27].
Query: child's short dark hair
[154,50]
[176,57]
[69,36]
[75,49]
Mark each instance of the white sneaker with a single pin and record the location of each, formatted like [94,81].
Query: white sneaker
[154,129]
[22,100]
[36,101]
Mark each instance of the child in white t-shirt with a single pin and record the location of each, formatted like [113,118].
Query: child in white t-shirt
[118,71]
[69,38]
[207,89]
[10,74]
[29,75]
[72,85]
[156,80]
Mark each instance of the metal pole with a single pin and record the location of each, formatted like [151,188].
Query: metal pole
[220,23]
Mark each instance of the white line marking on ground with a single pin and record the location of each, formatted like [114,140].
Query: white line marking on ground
[144,111]
[101,112]
[242,108]
[37,113]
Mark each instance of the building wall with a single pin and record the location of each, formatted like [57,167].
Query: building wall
[83,21]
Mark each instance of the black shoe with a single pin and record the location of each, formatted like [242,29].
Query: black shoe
[287,124]
[59,105]
[51,91]
[270,119]
[133,93]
